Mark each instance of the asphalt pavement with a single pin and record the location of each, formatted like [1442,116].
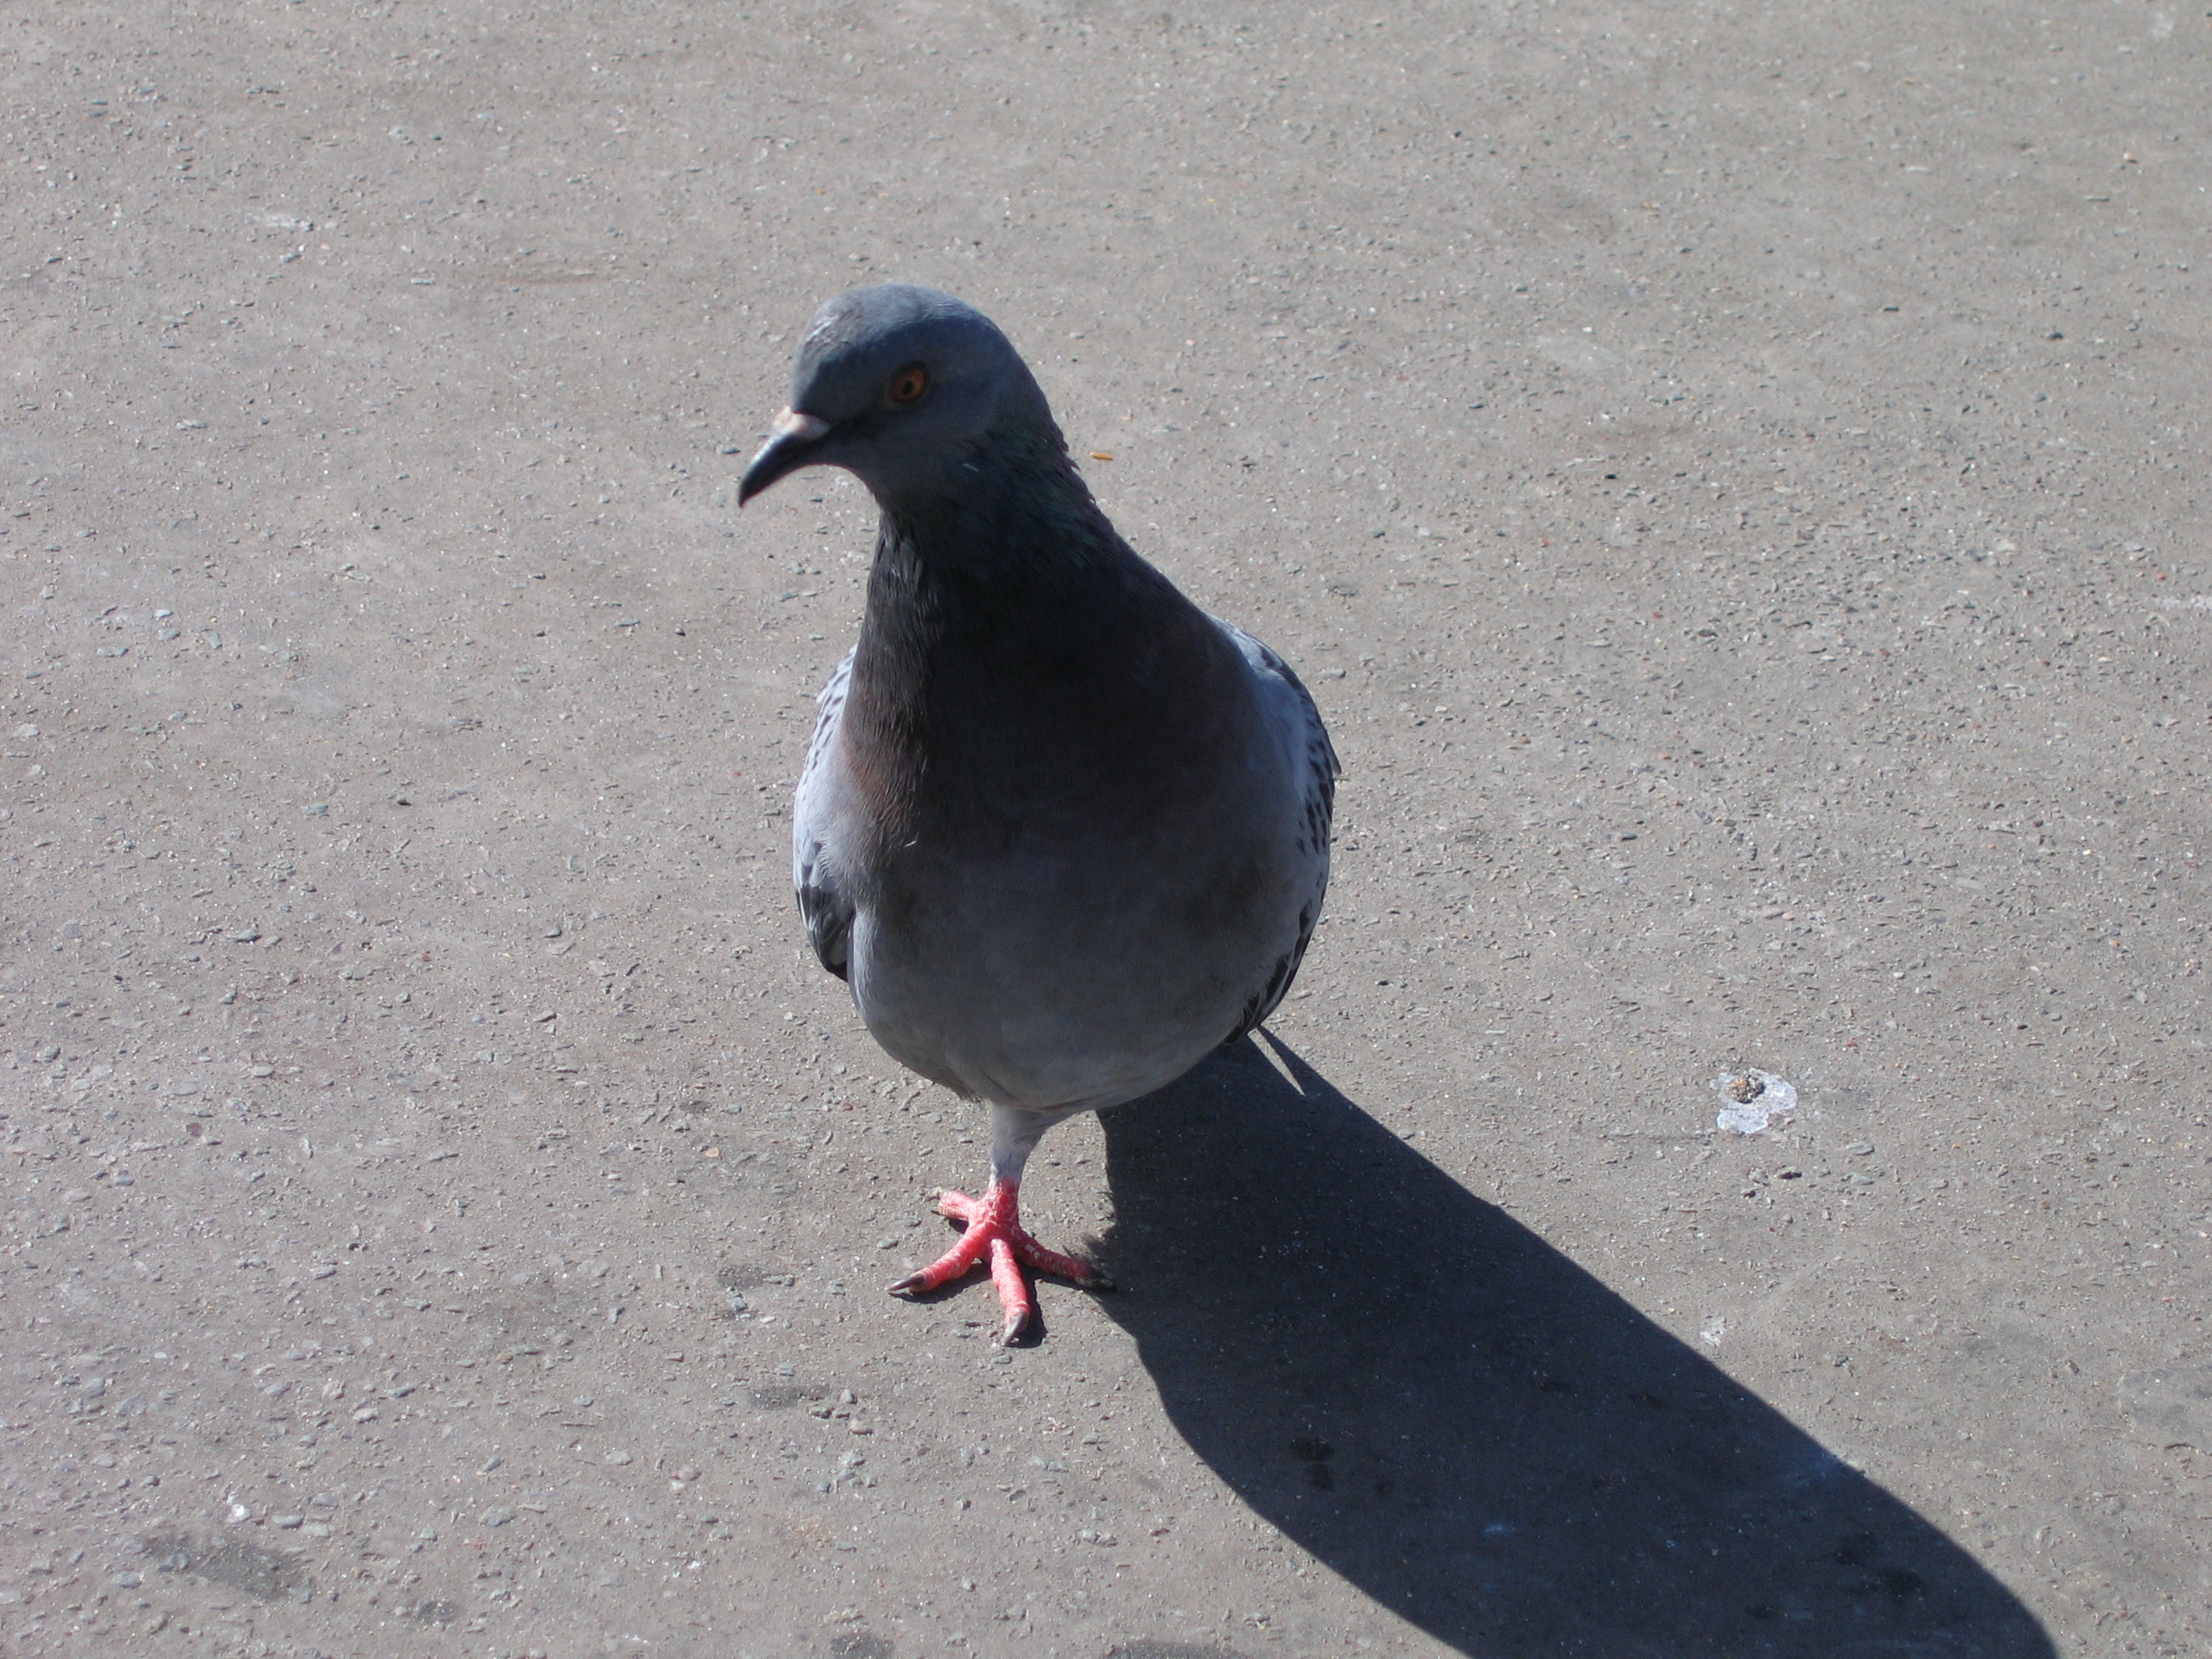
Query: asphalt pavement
[1733,479]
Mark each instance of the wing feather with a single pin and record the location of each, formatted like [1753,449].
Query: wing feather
[826,910]
[1297,725]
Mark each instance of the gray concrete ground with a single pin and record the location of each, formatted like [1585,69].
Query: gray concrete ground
[1734,478]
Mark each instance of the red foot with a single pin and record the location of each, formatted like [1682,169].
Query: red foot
[995,1232]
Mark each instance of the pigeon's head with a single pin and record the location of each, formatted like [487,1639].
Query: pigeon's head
[897,385]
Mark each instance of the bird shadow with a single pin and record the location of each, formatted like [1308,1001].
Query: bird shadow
[1474,1431]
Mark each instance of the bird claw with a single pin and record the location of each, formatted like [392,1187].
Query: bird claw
[993,1237]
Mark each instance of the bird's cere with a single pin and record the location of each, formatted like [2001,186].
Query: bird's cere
[800,429]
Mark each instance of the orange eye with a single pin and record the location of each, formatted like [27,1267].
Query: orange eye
[908,384]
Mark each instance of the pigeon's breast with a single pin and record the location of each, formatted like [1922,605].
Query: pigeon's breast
[1088,853]
[1047,969]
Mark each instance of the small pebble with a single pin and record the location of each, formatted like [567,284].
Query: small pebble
[1860,1148]
[126,1581]
[498,1515]
[689,1472]
[619,1458]
[288,1522]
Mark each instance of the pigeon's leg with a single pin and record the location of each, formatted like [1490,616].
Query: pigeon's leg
[994,1234]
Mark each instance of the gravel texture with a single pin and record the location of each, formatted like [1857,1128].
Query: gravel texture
[1735,481]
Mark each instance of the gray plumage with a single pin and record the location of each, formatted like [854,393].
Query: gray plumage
[1062,832]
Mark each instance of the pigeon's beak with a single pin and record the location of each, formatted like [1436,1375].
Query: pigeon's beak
[791,438]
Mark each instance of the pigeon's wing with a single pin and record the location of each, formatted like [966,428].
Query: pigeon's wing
[1295,724]
[827,911]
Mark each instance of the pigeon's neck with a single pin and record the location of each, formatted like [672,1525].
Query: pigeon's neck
[1009,546]
[1009,517]
[1004,615]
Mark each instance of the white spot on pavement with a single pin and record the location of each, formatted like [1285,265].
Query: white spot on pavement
[1752,1100]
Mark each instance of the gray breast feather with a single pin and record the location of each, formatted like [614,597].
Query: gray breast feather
[823,815]
[826,907]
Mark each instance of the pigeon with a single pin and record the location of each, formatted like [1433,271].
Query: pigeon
[1062,832]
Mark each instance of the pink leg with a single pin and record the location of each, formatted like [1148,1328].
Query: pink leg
[995,1236]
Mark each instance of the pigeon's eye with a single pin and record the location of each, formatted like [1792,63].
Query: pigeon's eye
[908,384]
